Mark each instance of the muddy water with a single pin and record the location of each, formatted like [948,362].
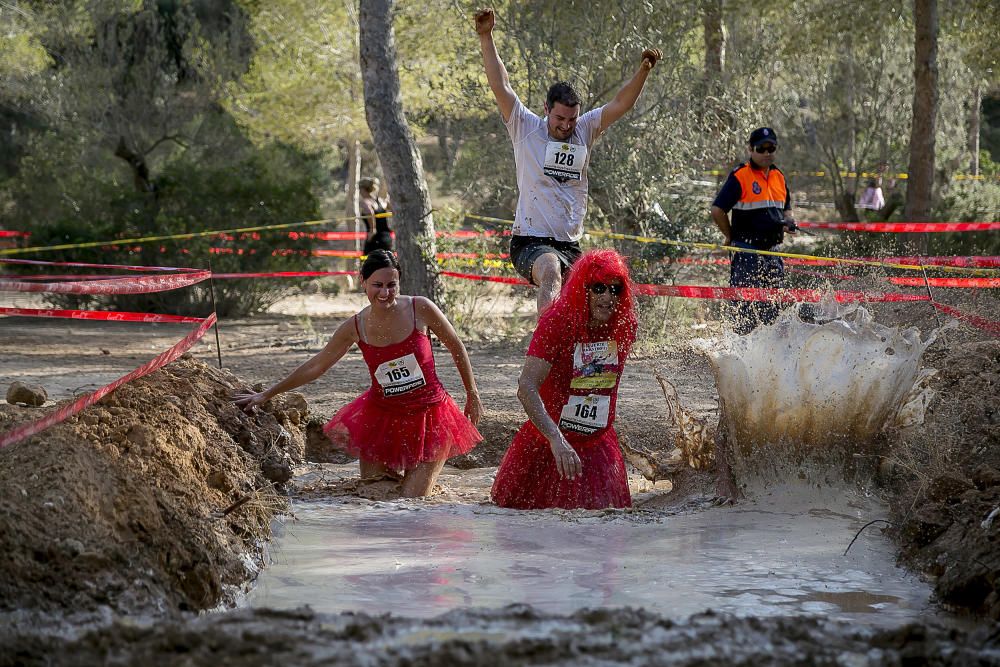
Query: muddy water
[778,555]
[819,385]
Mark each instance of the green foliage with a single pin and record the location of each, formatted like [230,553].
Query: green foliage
[260,188]
[987,166]
[966,201]
[132,117]
[125,137]
[304,82]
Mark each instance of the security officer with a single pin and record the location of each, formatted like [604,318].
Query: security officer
[760,202]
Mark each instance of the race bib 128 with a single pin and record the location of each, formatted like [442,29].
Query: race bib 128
[564,161]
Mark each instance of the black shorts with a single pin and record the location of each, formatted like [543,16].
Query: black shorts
[524,250]
[378,241]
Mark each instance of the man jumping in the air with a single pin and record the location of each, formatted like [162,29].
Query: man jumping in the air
[551,155]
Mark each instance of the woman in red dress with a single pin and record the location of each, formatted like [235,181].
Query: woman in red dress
[567,454]
[406,422]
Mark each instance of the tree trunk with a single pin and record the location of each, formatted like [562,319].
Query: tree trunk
[448,145]
[852,118]
[397,151]
[975,111]
[352,210]
[151,205]
[846,207]
[137,163]
[920,185]
[714,38]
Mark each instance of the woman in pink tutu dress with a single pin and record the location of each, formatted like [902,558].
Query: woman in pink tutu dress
[406,422]
[567,454]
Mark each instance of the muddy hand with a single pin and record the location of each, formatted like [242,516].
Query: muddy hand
[248,401]
[473,409]
[788,222]
[485,20]
[650,57]
[568,463]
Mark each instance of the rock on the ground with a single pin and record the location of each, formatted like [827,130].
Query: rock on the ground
[33,395]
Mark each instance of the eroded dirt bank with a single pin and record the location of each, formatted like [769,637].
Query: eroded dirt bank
[946,500]
[515,635]
[122,508]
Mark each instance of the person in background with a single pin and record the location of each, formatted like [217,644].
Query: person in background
[567,454]
[871,197]
[760,201]
[405,425]
[373,209]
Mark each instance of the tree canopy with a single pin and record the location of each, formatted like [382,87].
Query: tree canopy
[109,108]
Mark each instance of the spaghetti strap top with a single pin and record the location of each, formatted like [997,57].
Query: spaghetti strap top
[413,314]
[403,373]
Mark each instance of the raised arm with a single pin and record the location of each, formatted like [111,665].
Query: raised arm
[528,392]
[431,315]
[337,347]
[629,93]
[496,73]
[368,213]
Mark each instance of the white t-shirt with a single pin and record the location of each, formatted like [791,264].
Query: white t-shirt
[872,198]
[551,205]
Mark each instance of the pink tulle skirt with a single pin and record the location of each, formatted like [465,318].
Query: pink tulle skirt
[528,478]
[402,437]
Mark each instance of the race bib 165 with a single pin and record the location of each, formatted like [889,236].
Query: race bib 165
[400,376]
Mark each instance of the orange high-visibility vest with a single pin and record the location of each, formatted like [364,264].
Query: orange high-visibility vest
[761,191]
[758,214]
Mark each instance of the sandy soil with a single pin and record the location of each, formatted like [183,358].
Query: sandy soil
[152,504]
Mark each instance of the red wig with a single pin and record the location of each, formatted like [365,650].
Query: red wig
[572,307]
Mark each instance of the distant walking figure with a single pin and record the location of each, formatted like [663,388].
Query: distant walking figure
[872,197]
[373,212]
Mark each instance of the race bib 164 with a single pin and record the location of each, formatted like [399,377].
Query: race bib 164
[585,414]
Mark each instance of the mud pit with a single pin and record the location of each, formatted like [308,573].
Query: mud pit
[780,554]
[143,477]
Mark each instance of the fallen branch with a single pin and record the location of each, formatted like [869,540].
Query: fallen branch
[858,534]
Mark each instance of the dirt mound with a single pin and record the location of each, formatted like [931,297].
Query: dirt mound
[122,507]
[514,635]
[947,512]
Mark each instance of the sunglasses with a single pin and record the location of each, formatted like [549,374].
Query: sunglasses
[601,288]
[770,148]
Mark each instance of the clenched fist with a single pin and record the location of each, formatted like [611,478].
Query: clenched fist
[485,19]
[649,58]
